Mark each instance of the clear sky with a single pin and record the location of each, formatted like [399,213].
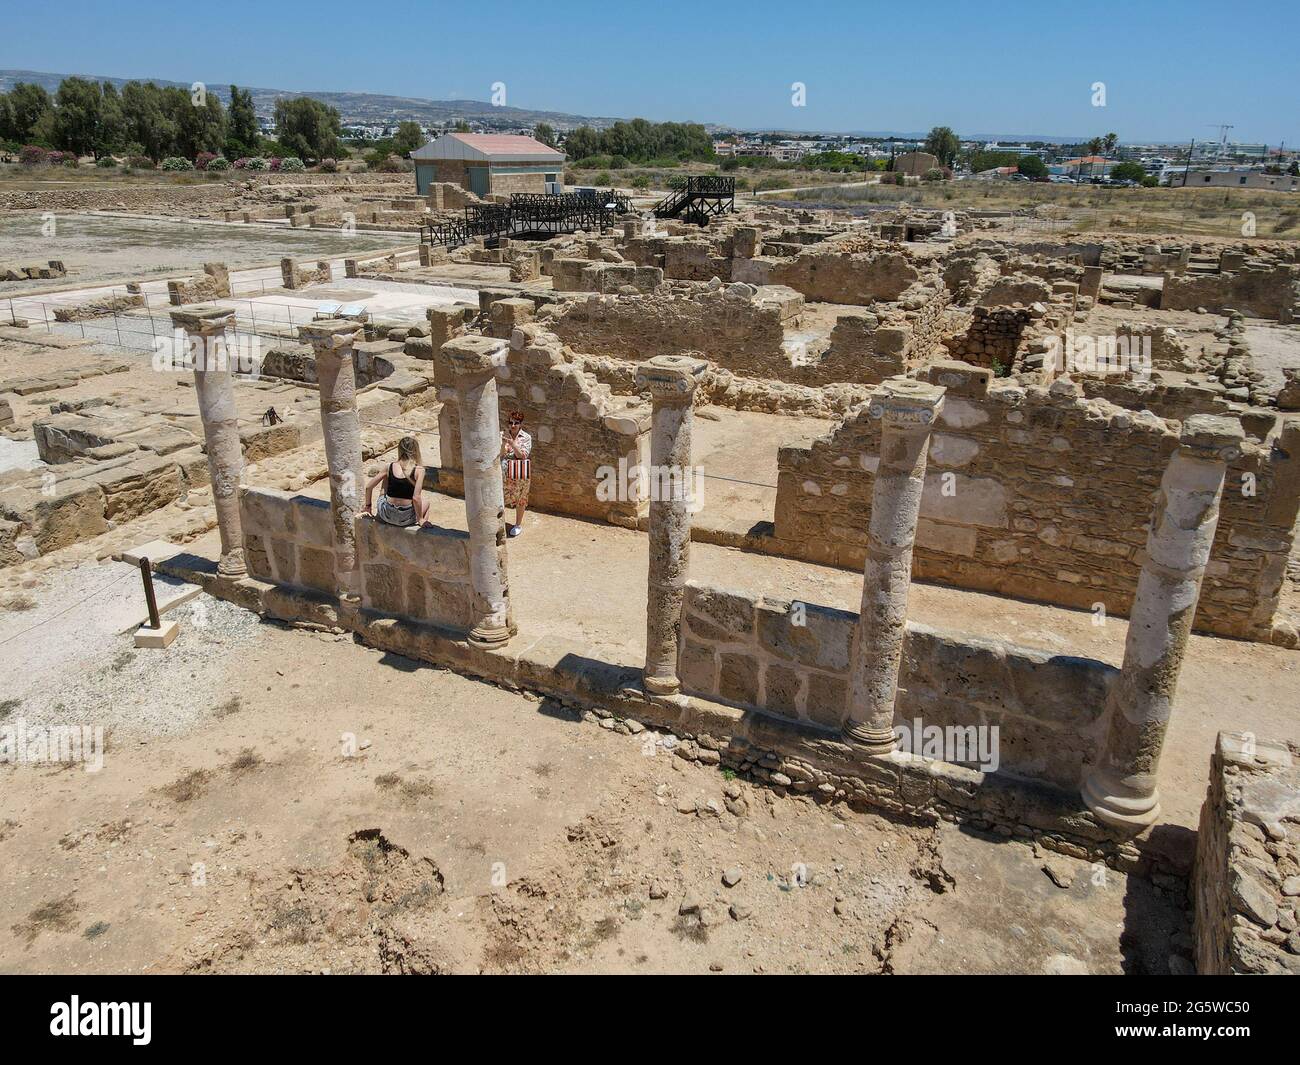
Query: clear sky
[1172,69]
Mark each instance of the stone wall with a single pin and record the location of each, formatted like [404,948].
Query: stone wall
[1268,292]
[419,573]
[824,275]
[212,284]
[737,326]
[1038,493]
[294,276]
[792,660]
[1246,880]
[580,431]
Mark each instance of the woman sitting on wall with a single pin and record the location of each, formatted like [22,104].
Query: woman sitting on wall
[401,503]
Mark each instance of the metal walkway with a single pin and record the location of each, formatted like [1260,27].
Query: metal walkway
[699,199]
[528,216]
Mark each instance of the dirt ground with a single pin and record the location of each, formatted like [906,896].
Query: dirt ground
[279,801]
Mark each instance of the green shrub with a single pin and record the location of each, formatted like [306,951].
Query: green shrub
[220,162]
[256,162]
[139,162]
[105,162]
[291,164]
[603,179]
[175,163]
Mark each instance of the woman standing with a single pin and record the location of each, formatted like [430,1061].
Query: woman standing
[516,469]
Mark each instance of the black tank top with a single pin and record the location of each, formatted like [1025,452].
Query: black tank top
[399,487]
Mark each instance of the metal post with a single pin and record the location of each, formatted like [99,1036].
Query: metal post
[155,622]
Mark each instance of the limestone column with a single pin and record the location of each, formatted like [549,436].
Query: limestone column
[473,362]
[205,327]
[907,409]
[1121,789]
[332,340]
[671,381]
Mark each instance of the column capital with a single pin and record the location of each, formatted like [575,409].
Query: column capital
[1212,437]
[470,356]
[203,319]
[330,333]
[670,378]
[906,403]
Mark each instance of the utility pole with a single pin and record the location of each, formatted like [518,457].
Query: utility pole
[1187,169]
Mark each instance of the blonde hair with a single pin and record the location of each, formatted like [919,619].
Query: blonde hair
[408,450]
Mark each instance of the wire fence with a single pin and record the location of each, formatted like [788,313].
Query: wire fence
[138,329]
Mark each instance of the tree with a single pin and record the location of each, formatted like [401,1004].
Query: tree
[1031,166]
[409,136]
[582,142]
[308,128]
[462,126]
[147,120]
[242,122]
[544,133]
[1128,172]
[942,143]
[112,122]
[1110,142]
[200,127]
[27,105]
[77,116]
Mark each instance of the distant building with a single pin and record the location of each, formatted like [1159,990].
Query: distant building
[487,163]
[1232,179]
[1088,166]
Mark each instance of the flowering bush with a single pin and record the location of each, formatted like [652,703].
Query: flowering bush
[139,162]
[273,163]
[291,164]
[328,165]
[218,162]
[105,161]
[255,162]
[175,162]
[202,160]
[32,155]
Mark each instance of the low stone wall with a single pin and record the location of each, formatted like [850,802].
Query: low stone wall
[1038,493]
[1246,880]
[829,276]
[98,308]
[212,284]
[792,660]
[736,326]
[582,435]
[418,573]
[294,276]
[1261,292]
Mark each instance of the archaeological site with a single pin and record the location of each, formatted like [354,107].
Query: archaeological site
[488,548]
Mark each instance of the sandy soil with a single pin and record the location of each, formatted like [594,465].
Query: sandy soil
[279,801]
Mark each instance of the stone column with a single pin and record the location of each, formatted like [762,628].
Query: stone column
[671,381]
[205,327]
[907,409]
[1121,789]
[473,362]
[332,340]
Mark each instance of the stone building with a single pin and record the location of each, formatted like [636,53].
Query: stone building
[487,163]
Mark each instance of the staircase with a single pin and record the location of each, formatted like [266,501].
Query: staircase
[699,199]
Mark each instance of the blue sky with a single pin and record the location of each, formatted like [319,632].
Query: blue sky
[1172,70]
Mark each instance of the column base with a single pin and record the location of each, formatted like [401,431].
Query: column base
[1115,803]
[485,637]
[233,565]
[876,741]
[661,685]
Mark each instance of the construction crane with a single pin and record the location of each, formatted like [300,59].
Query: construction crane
[1224,128]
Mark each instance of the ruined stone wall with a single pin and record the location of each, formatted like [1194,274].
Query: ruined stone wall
[1038,493]
[212,284]
[735,326]
[585,275]
[294,276]
[793,661]
[827,276]
[420,573]
[578,428]
[1263,293]
[1246,880]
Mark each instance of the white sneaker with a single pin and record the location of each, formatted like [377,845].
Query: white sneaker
[514,531]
